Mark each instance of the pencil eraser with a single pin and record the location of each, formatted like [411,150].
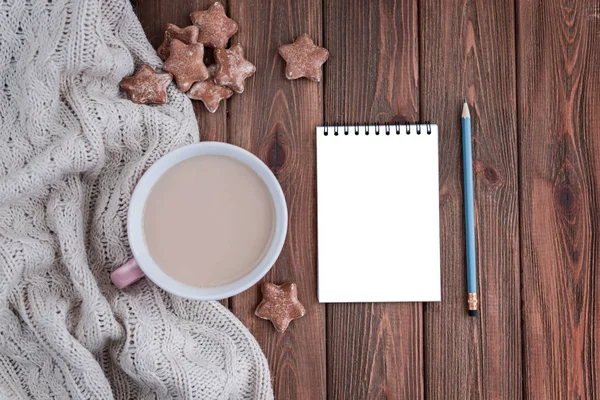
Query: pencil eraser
[473,313]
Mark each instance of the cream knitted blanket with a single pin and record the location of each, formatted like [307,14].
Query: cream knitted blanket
[71,150]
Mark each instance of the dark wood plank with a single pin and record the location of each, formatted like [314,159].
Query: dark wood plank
[373,350]
[276,119]
[559,113]
[468,49]
[154,15]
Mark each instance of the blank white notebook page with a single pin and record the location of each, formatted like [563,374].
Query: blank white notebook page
[378,214]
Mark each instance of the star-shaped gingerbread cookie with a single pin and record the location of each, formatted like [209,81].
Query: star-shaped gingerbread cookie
[215,27]
[304,58]
[233,68]
[147,86]
[280,305]
[187,35]
[209,93]
[186,63]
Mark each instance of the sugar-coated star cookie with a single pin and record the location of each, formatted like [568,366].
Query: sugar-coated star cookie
[232,68]
[147,86]
[187,35]
[186,63]
[280,305]
[215,27]
[209,93]
[304,59]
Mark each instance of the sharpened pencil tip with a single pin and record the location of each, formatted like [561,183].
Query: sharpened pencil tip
[465,99]
[465,110]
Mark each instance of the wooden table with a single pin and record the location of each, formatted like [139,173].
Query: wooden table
[531,72]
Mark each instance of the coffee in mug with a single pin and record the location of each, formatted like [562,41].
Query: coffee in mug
[208,221]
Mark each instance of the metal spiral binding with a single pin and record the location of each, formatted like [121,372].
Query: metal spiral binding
[409,127]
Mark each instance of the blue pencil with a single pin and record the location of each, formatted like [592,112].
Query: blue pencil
[469,211]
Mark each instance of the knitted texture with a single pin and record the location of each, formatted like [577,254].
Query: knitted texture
[71,151]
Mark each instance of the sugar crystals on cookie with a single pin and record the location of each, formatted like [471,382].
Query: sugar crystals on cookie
[187,35]
[147,86]
[233,68]
[215,27]
[186,63]
[304,59]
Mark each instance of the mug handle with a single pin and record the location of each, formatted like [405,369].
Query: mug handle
[127,274]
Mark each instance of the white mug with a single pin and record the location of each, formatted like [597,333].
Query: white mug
[143,265]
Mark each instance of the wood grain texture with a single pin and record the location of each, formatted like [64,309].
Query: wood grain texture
[275,119]
[154,15]
[374,351]
[559,113]
[467,49]
[533,83]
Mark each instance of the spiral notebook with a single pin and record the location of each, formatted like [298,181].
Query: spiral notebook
[378,213]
